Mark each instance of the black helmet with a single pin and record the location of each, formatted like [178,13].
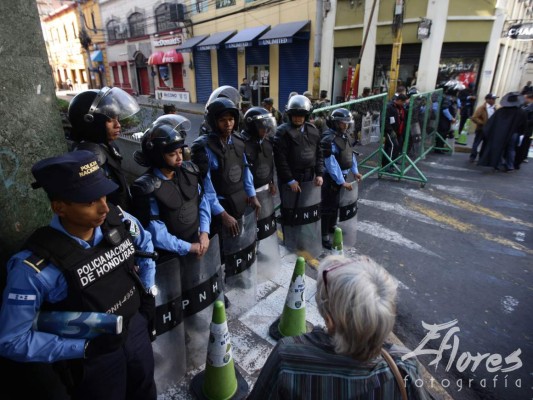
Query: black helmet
[218,107]
[88,111]
[339,115]
[159,139]
[299,105]
[259,118]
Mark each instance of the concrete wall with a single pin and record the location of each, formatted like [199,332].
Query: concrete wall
[30,126]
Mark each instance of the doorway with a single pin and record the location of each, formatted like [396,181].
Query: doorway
[259,81]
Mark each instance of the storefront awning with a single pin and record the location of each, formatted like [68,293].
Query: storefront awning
[245,37]
[156,58]
[172,56]
[189,44]
[214,41]
[284,33]
[97,56]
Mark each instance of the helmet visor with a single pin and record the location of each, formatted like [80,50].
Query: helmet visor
[265,125]
[114,103]
[178,123]
[225,91]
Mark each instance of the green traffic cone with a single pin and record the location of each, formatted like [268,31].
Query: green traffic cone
[337,247]
[463,138]
[220,380]
[292,321]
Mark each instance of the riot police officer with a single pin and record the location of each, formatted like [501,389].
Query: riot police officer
[95,117]
[339,162]
[259,129]
[168,199]
[297,152]
[221,152]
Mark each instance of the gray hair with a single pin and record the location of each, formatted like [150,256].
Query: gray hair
[360,298]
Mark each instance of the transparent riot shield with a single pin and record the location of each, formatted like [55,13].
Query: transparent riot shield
[202,284]
[300,214]
[268,257]
[169,348]
[240,267]
[348,212]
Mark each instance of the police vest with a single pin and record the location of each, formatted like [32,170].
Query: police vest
[345,156]
[110,160]
[260,157]
[303,148]
[100,278]
[228,178]
[178,201]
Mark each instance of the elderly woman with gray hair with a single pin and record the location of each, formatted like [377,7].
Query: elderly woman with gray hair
[349,357]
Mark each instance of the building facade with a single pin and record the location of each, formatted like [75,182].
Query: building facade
[182,51]
[441,41]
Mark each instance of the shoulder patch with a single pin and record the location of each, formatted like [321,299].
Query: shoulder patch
[21,297]
[35,262]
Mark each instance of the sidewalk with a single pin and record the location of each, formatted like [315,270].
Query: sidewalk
[147,101]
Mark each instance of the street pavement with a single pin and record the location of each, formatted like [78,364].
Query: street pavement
[461,249]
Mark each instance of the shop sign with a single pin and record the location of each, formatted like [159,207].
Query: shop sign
[239,44]
[166,95]
[521,31]
[173,41]
[275,41]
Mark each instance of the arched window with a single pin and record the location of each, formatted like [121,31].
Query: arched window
[112,28]
[136,24]
[162,18]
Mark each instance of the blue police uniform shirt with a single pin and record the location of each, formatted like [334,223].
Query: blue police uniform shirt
[161,238]
[17,339]
[333,168]
[248,181]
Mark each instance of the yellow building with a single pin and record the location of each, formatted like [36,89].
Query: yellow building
[66,25]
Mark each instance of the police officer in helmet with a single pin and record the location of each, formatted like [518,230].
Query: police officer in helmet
[168,199]
[95,117]
[259,129]
[221,154]
[297,152]
[339,162]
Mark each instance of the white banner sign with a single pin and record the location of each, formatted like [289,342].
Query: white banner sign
[166,95]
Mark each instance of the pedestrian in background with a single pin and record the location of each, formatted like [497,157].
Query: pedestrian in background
[395,125]
[245,90]
[349,358]
[480,118]
[169,109]
[524,144]
[467,98]
[95,117]
[500,135]
[53,273]
[268,104]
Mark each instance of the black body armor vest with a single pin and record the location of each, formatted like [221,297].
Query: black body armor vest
[101,278]
[260,156]
[228,178]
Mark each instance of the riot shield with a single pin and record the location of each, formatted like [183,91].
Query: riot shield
[268,257]
[300,214]
[169,354]
[240,267]
[348,212]
[202,284]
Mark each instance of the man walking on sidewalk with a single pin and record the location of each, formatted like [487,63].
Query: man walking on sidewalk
[480,118]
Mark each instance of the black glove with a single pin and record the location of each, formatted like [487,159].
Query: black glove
[147,309]
[103,344]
